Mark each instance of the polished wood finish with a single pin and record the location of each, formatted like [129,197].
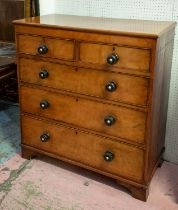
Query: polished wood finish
[130,123]
[63,142]
[27,153]
[78,102]
[138,192]
[57,48]
[131,90]
[141,28]
[159,103]
[129,58]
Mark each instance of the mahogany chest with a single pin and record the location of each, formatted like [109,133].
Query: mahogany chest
[94,92]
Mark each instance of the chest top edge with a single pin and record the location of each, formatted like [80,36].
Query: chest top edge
[112,26]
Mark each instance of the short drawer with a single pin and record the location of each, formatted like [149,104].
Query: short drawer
[128,57]
[108,156]
[103,84]
[105,118]
[56,48]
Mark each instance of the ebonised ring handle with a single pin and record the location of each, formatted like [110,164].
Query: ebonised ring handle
[111,86]
[42,49]
[108,156]
[109,120]
[112,59]
[45,137]
[43,74]
[44,104]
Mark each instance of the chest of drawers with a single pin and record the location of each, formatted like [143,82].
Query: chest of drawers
[94,92]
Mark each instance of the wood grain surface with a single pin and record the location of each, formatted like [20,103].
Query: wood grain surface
[79,102]
[131,90]
[143,28]
[71,144]
[130,124]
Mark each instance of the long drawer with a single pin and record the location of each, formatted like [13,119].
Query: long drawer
[110,119]
[55,48]
[127,89]
[92,150]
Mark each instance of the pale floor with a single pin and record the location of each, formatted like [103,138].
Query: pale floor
[48,184]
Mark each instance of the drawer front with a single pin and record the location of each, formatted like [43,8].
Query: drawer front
[129,123]
[57,48]
[128,89]
[129,58]
[84,148]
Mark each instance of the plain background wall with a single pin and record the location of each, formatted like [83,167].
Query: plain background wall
[133,9]
[47,7]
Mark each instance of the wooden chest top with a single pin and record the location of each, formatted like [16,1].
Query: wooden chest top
[95,93]
[141,28]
